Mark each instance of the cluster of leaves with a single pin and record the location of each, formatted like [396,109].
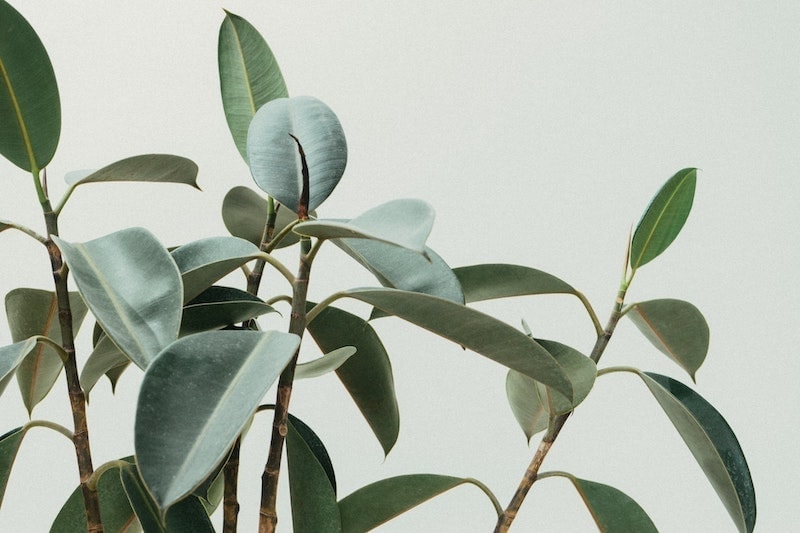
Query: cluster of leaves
[207,365]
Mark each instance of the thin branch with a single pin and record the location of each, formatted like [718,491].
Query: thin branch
[24,229]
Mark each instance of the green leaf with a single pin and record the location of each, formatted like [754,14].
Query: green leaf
[218,307]
[114,506]
[195,398]
[105,357]
[487,282]
[30,109]
[713,444]
[612,510]
[154,168]
[10,358]
[677,328]
[273,154]
[664,218]
[204,262]
[249,75]
[311,484]
[133,288]
[9,446]
[244,213]
[322,365]
[472,329]
[376,504]
[367,375]
[404,222]
[34,312]
[533,403]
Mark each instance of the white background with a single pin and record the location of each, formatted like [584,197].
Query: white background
[539,132]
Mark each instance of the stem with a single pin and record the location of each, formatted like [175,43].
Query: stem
[50,425]
[77,399]
[269,480]
[24,229]
[531,474]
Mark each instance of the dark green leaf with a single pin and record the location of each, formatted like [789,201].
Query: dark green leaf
[133,288]
[30,109]
[9,446]
[487,282]
[249,75]
[677,328]
[244,213]
[367,375]
[154,168]
[218,307]
[273,153]
[195,398]
[311,482]
[472,329]
[664,218]
[713,444]
[612,510]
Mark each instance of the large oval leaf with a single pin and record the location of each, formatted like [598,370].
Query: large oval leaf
[375,504]
[677,328]
[612,510]
[273,154]
[472,329]
[195,398]
[249,75]
[153,168]
[367,375]
[244,213]
[30,109]
[133,288]
[528,401]
[664,218]
[490,281]
[34,312]
[712,442]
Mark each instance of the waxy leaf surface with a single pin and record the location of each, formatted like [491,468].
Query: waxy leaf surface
[10,358]
[9,446]
[322,365]
[153,168]
[195,398]
[244,213]
[133,288]
[490,281]
[218,307]
[612,510]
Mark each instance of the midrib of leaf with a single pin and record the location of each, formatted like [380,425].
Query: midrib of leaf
[655,331]
[40,350]
[23,129]
[248,85]
[658,220]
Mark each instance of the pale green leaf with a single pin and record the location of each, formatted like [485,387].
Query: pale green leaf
[105,357]
[244,213]
[10,358]
[528,401]
[322,365]
[490,281]
[9,446]
[154,168]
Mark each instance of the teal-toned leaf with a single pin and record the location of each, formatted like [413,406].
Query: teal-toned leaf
[30,109]
[204,262]
[376,504]
[312,490]
[322,365]
[218,307]
[133,288]
[664,218]
[115,373]
[533,403]
[249,75]
[153,168]
[612,510]
[35,312]
[10,358]
[244,213]
[677,328]
[105,357]
[713,444]
[487,282]
[367,375]
[472,329]
[275,161]
[9,446]
[114,506]
[404,222]
[195,398]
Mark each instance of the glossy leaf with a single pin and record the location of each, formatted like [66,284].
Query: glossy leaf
[105,357]
[612,510]
[204,262]
[244,213]
[35,312]
[153,168]
[713,444]
[490,281]
[133,288]
[274,157]
[376,504]
[10,358]
[114,506]
[405,222]
[367,375]
[9,446]
[195,398]
[677,328]
[322,365]
[30,108]
[218,307]
[664,218]
[472,329]
[533,403]
[311,484]
[249,75]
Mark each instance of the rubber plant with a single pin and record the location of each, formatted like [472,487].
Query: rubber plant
[208,366]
